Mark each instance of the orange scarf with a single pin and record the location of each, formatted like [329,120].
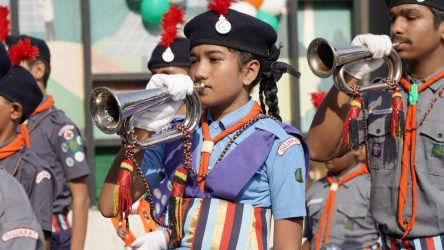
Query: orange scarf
[208,143]
[44,106]
[17,144]
[409,147]
[329,204]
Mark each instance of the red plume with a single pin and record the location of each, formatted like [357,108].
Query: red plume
[4,23]
[170,20]
[23,51]
[317,98]
[220,6]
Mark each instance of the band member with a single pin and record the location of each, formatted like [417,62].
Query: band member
[19,97]
[19,228]
[56,139]
[405,127]
[338,206]
[245,164]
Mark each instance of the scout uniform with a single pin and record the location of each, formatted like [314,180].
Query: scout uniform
[385,162]
[19,228]
[35,175]
[56,139]
[276,183]
[351,224]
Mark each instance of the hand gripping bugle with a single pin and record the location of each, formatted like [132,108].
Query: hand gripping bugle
[113,112]
[325,59]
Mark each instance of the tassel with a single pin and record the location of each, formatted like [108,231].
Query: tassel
[397,119]
[122,191]
[350,131]
[175,206]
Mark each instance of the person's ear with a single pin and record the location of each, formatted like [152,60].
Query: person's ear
[16,111]
[38,70]
[250,72]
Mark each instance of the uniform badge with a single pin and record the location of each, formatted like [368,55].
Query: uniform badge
[287,144]
[298,175]
[168,55]
[438,151]
[69,162]
[349,225]
[20,232]
[223,26]
[41,176]
[79,156]
[376,149]
[68,134]
[65,128]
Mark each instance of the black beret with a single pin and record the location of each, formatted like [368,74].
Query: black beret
[247,33]
[43,47]
[181,51]
[18,85]
[437,4]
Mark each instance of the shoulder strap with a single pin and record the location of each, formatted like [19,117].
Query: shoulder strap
[43,117]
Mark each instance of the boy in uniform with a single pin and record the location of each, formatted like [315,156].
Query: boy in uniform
[406,162]
[19,96]
[56,139]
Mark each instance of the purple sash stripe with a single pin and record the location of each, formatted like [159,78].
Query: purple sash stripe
[423,243]
[237,222]
[203,217]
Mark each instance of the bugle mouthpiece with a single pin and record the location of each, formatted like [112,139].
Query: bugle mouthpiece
[199,87]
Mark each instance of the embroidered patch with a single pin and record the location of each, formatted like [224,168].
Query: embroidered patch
[164,200]
[64,147]
[287,144]
[68,134]
[298,175]
[69,162]
[79,156]
[349,224]
[41,176]
[20,232]
[438,151]
[73,146]
[65,128]
[79,140]
[376,149]
[314,201]
[157,193]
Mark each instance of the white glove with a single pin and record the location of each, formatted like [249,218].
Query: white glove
[178,86]
[378,45]
[150,241]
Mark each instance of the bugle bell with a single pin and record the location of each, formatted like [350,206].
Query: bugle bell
[325,59]
[113,112]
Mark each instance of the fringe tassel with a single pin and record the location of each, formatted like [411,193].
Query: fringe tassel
[397,120]
[350,131]
[175,207]
[122,191]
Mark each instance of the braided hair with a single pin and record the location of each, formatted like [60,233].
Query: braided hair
[269,73]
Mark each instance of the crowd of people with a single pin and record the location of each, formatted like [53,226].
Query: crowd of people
[238,181]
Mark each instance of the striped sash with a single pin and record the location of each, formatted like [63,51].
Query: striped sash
[60,222]
[220,224]
[432,242]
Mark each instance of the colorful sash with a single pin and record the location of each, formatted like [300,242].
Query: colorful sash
[220,224]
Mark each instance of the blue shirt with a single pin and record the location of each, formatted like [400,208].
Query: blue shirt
[278,184]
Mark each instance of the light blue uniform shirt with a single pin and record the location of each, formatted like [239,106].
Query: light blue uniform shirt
[275,185]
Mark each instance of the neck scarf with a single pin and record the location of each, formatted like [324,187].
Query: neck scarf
[330,202]
[409,148]
[49,103]
[208,144]
[17,144]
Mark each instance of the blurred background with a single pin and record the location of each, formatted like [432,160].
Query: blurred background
[107,43]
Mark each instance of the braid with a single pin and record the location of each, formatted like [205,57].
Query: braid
[271,98]
[261,97]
